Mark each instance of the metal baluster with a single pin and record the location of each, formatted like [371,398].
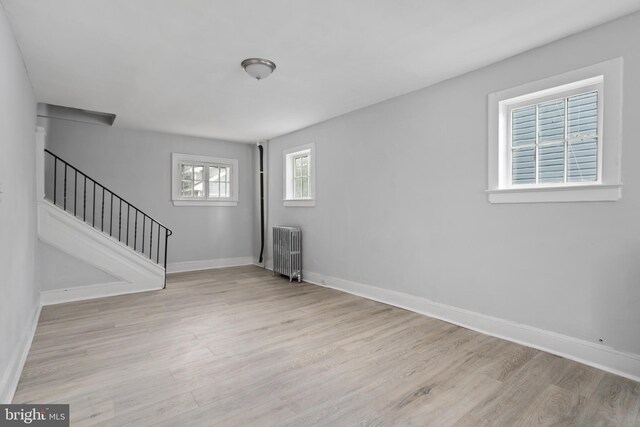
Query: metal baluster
[102,212]
[120,221]
[84,199]
[93,209]
[166,237]
[64,205]
[144,225]
[158,248]
[135,231]
[111,217]
[128,215]
[150,237]
[75,191]
[55,179]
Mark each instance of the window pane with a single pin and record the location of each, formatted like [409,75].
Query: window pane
[198,173]
[523,126]
[224,190]
[297,188]
[583,161]
[198,189]
[213,173]
[186,171]
[551,120]
[523,166]
[298,167]
[186,188]
[305,166]
[583,115]
[214,189]
[551,163]
[305,187]
[223,174]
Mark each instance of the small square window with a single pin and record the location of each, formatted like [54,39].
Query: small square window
[299,188]
[555,141]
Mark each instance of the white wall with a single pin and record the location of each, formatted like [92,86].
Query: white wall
[401,204]
[137,166]
[18,293]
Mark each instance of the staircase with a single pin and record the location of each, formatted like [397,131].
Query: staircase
[88,221]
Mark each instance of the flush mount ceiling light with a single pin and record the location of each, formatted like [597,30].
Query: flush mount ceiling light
[258,68]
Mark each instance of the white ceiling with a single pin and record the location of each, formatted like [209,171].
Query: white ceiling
[174,65]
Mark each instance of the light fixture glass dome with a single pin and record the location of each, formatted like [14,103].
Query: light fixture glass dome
[258,68]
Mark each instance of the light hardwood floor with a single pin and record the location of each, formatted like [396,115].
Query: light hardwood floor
[239,347]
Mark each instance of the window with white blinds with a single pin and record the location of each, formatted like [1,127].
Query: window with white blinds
[556,141]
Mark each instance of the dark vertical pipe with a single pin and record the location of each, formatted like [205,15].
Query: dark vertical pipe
[261,203]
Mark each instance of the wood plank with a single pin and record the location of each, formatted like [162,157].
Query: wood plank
[237,346]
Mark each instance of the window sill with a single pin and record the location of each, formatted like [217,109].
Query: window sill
[582,193]
[308,203]
[205,203]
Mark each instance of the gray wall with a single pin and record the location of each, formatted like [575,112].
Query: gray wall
[401,204]
[56,269]
[18,293]
[137,166]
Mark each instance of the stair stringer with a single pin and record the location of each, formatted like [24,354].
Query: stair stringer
[62,230]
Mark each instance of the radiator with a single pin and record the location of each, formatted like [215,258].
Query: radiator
[287,252]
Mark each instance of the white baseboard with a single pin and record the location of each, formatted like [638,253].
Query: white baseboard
[58,296]
[592,354]
[11,376]
[206,264]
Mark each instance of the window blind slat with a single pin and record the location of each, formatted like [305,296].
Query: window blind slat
[551,163]
[582,161]
[523,163]
[582,114]
[523,126]
[569,124]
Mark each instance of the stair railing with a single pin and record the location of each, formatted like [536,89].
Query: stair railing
[101,208]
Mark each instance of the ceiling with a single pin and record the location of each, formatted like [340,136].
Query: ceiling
[174,66]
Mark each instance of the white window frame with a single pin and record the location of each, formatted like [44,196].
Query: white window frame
[178,158]
[288,157]
[606,78]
